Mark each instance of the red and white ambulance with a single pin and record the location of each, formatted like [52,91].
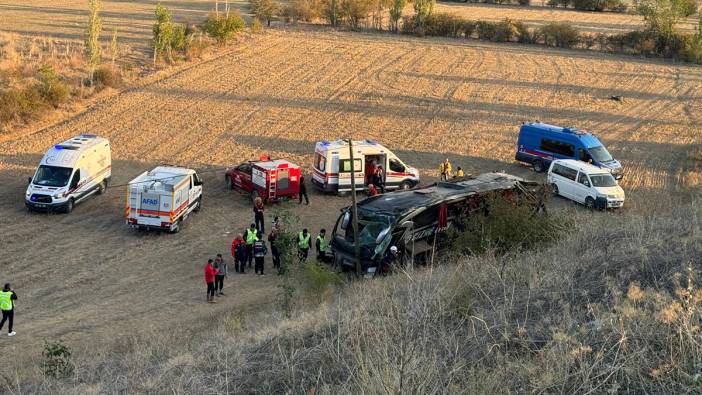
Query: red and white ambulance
[332,166]
[269,179]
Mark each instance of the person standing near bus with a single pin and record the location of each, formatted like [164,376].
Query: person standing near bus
[7,305]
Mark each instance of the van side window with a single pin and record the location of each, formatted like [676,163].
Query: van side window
[345,165]
[558,147]
[565,172]
[395,165]
[582,179]
[75,180]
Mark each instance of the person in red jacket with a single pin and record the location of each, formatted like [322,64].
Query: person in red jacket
[210,273]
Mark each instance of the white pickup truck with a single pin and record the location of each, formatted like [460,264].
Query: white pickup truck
[161,199]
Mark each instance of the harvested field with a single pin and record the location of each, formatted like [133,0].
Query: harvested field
[86,278]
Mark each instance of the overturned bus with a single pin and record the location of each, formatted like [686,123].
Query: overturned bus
[412,220]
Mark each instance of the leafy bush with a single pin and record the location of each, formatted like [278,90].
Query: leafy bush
[223,27]
[56,361]
[167,35]
[302,10]
[445,25]
[526,35]
[422,11]
[51,88]
[21,104]
[504,225]
[599,5]
[256,26]
[355,11]
[264,10]
[524,2]
[561,35]
[105,76]
[319,279]
[502,31]
[395,13]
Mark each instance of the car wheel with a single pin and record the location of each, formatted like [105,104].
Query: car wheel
[69,206]
[538,166]
[229,183]
[406,185]
[554,187]
[102,187]
[589,203]
[198,205]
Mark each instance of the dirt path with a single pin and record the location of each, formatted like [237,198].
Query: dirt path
[87,278]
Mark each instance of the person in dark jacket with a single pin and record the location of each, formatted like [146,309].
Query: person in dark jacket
[388,261]
[259,251]
[7,305]
[241,257]
[239,239]
[275,253]
[303,191]
[258,210]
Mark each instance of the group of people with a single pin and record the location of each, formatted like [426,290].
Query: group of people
[376,179]
[445,171]
[250,248]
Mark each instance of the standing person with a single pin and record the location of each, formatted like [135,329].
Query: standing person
[7,305]
[320,245]
[210,273]
[250,237]
[241,256]
[380,177]
[303,245]
[445,170]
[272,237]
[259,251]
[303,191]
[221,267]
[239,239]
[258,214]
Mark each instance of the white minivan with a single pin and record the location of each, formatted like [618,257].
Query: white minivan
[584,183]
[69,173]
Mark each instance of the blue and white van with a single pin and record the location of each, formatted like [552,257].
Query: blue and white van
[540,143]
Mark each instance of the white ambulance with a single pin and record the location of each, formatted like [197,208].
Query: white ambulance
[332,166]
[162,198]
[69,173]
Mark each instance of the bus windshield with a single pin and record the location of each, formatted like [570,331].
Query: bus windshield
[52,176]
[600,154]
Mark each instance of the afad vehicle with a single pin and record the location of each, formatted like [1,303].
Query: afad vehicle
[69,173]
[161,199]
[269,179]
[541,143]
[332,166]
[410,219]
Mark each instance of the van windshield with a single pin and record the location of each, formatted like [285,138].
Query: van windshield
[52,176]
[600,154]
[603,180]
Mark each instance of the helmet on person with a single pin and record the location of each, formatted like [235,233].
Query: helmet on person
[393,249]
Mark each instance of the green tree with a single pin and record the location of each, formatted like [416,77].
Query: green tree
[222,28]
[355,11]
[422,10]
[264,10]
[396,13]
[92,37]
[167,35]
[661,16]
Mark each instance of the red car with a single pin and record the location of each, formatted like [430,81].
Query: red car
[269,179]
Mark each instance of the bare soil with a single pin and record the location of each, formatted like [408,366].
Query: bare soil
[87,278]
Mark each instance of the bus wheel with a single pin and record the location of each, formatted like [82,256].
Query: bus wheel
[538,166]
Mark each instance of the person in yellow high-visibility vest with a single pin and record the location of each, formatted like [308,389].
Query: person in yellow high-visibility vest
[459,173]
[445,170]
[7,305]
[303,244]
[250,235]
[321,246]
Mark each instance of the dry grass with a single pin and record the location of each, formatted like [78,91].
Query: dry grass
[617,304]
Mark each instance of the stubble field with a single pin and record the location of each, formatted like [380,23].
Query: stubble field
[87,278]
